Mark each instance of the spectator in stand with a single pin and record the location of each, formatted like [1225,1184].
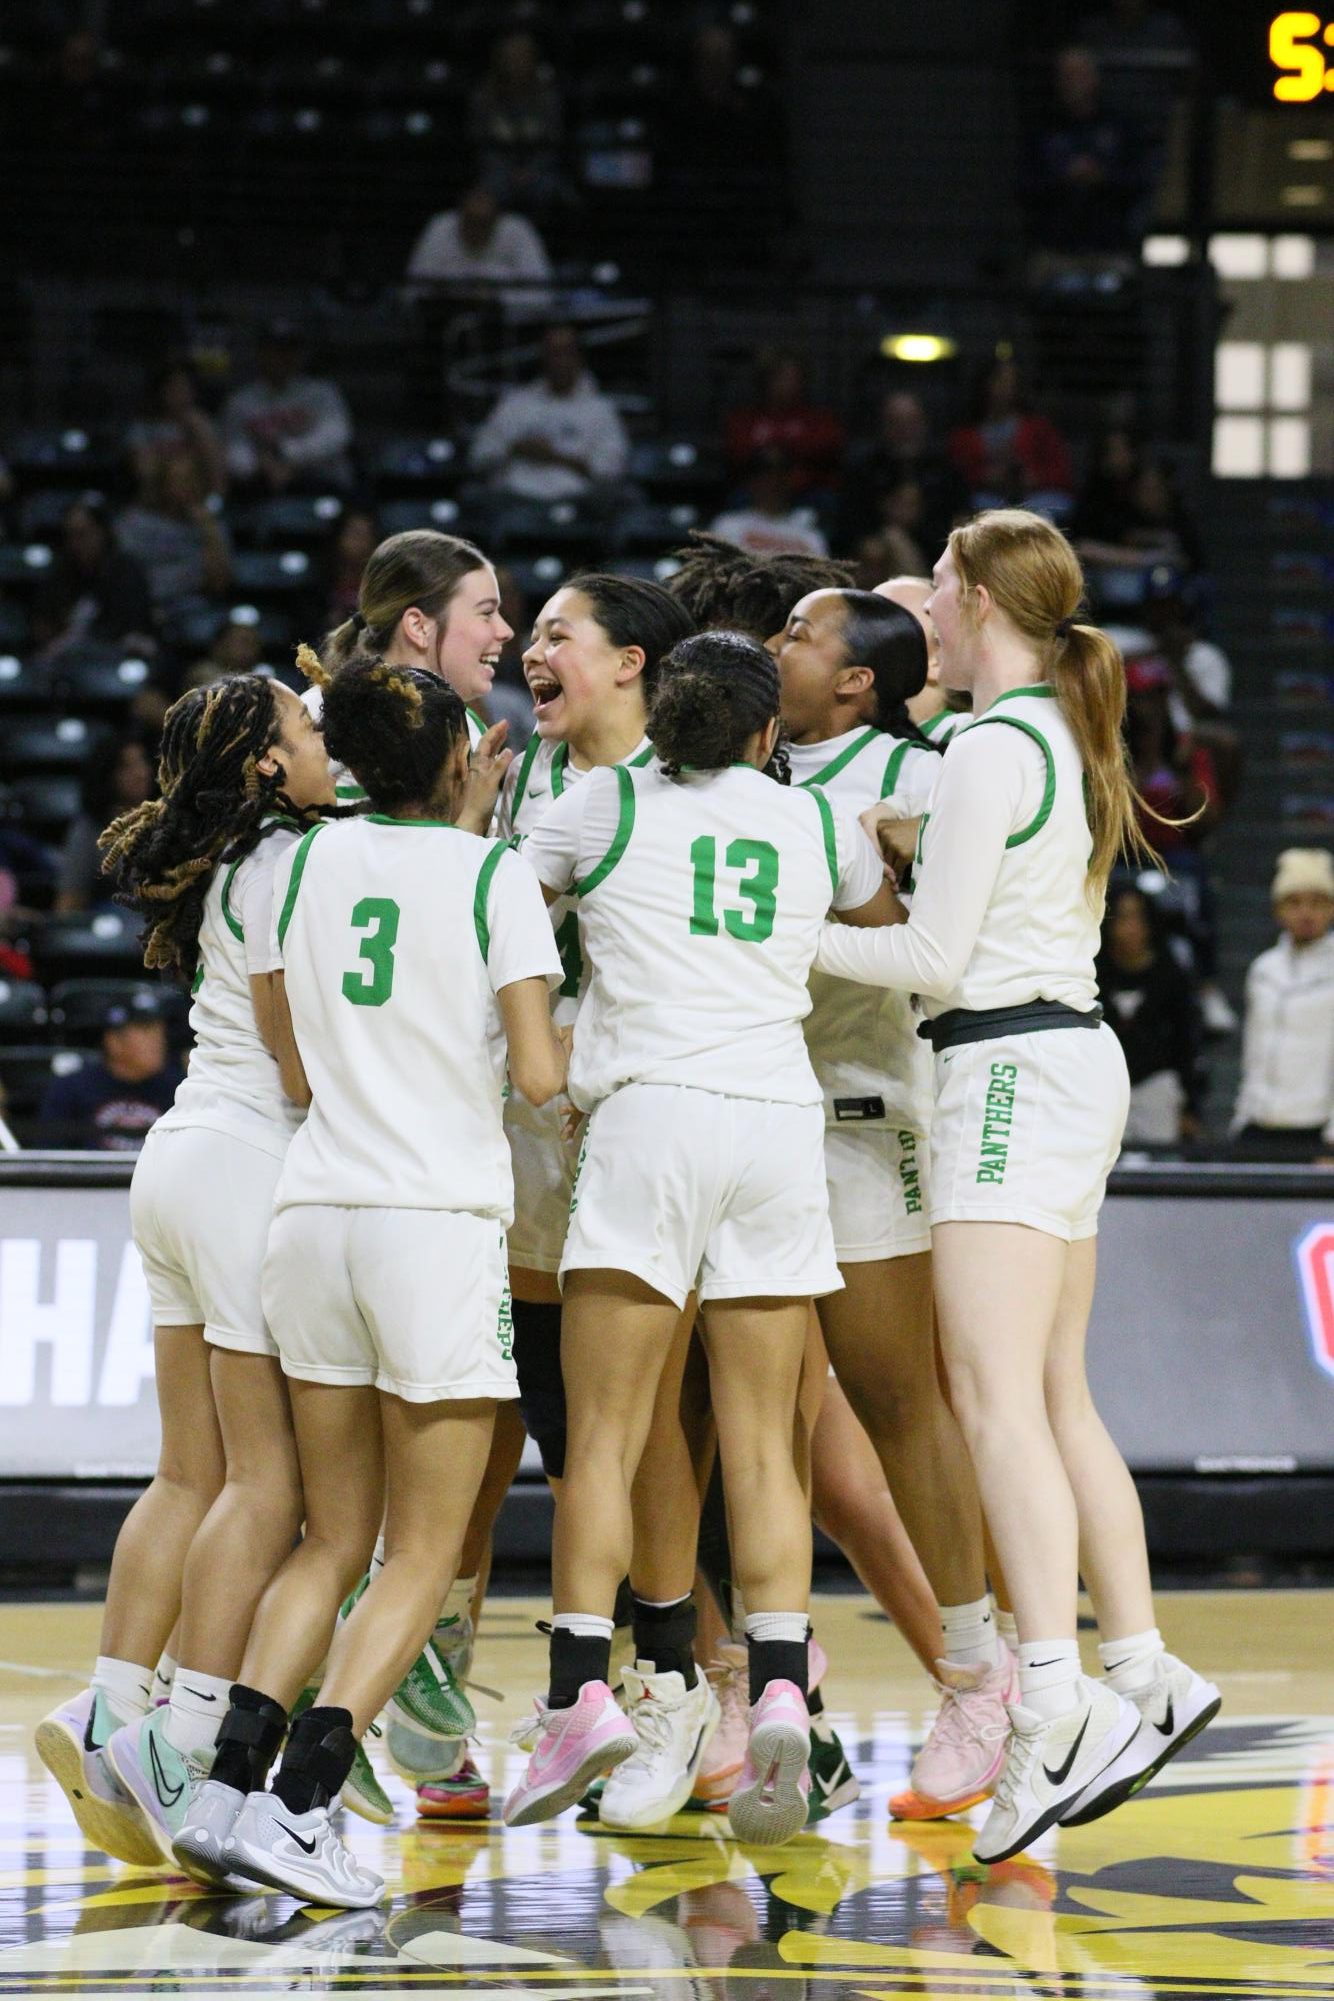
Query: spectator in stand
[1285,1107]
[1102,508]
[557,438]
[771,524]
[286,428]
[901,449]
[174,424]
[108,1104]
[117,777]
[1158,526]
[357,538]
[475,245]
[899,543]
[177,537]
[93,589]
[516,119]
[1201,676]
[237,648]
[784,418]
[1089,172]
[1149,1003]
[1006,454]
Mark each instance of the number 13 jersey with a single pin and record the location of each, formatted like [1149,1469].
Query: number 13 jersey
[394,938]
[701,900]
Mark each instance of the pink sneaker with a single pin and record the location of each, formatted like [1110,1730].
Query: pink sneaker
[573,1746]
[769,1804]
[964,1753]
[726,1753]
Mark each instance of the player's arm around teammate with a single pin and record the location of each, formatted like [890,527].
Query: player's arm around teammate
[700,1171]
[1031,810]
[413,955]
[242,773]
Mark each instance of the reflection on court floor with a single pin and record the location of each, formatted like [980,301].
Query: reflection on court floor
[1218,1881]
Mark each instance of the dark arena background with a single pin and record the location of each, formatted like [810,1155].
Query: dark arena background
[821,278]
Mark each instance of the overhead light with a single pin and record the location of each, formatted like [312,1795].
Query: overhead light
[917,347]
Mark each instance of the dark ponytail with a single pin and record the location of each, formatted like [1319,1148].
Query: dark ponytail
[634,612]
[714,693]
[881,635]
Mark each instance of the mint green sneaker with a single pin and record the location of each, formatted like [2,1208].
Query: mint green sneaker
[161,1780]
[430,1698]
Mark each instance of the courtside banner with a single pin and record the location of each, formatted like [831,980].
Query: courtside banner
[1211,1350]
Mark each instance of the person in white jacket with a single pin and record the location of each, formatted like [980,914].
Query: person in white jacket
[1285,1107]
[556,438]
[287,428]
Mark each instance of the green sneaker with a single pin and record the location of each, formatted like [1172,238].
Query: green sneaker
[362,1794]
[429,1697]
[833,1781]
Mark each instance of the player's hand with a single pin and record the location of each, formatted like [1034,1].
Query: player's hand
[895,838]
[487,766]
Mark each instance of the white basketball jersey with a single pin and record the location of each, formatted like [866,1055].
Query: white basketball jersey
[701,901]
[346,789]
[863,1040]
[395,937]
[233,1083]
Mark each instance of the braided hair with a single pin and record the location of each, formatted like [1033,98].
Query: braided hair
[393,727]
[715,692]
[215,800]
[723,585]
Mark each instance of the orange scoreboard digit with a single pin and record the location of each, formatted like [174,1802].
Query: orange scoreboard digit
[1297,44]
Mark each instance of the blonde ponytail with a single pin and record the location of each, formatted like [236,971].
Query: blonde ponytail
[1032,575]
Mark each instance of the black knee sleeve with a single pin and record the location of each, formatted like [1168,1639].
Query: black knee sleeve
[541,1385]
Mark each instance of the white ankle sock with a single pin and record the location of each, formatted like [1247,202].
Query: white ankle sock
[777,1625]
[458,1601]
[163,1676]
[1130,1665]
[970,1634]
[128,1688]
[198,1704]
[585,1625]
[1049,1674]
[1007,1627]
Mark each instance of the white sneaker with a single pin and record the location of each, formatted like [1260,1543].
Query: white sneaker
[1173,1709]
[1048,1766]
[199,1840]
[300,1853]
[673,1725]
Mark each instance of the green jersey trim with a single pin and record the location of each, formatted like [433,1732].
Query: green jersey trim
[1043,814]
[933,723]
[893,768]
[562,758]
[531,748]
[388,820]
[232,922]
[830,838]
[294,884]
[625,826]
[476,720]
[1042,689]
[481,896]
[845,757]
[348,790]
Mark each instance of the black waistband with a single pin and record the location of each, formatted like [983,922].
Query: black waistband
[966,1024]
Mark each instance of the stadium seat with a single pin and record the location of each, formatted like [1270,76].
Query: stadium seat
[291,521]
[14,629]
[27,1068]
[270,572]
[22,1007]
[677,468]
[193,632]
[397,515]
[24,564]
[536,577]
[99,679]
[46,744]
[541,525]
[45,805]
[407,464]
[42,514]
[77,1008]
[24,684]
[655,527]
[62,454]
[96,942]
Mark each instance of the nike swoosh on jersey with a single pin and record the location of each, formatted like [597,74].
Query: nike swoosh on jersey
[300,1840]
[168,1795]
[1063,1770]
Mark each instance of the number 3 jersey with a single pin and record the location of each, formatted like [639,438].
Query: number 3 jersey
[701,900]
[394,938]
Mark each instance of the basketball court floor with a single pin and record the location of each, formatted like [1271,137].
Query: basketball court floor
[1218,1881]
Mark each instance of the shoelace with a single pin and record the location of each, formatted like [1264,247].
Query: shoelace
[1015,1770]
[964,1719]
[727,1682]
[526,1733]
[653,1728]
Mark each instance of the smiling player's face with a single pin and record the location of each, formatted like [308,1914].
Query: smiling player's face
[572,668]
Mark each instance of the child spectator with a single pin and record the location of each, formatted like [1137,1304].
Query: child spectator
[1285,1107]
[1150,1006]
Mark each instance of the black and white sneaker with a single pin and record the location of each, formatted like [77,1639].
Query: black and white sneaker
[300,1853]
[1048,1765]
[1174,1708]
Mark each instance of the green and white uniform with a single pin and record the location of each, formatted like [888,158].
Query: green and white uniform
[346,789]
[875,1074]
[941,727]
[701,900]
[544,1161]
[201,1200]
[386,1260]
[1025,1127]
